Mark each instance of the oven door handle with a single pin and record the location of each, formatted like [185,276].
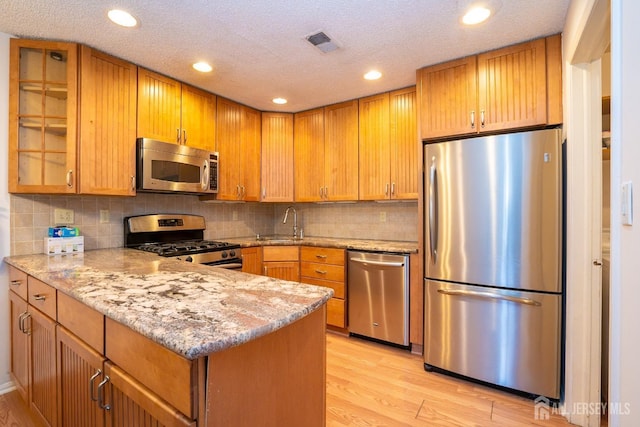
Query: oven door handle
[231,265]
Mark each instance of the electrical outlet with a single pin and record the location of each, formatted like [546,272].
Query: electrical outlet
[104,216]
[234,216]
[383,217]
[63,216]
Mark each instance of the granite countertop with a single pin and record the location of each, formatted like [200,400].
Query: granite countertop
[193,310]
[356,244]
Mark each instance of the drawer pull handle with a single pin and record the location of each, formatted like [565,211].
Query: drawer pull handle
[16,282]
[321,256]
[321,272]
[39,297]
[92,382]
[101,401]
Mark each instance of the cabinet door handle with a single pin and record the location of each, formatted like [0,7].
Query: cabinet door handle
[16,282]
[326,192]
[92,382]
[184,136]
[39,297]
[264,192]
[481,118]
[101,399]
[473,119]
[133,183]
[238,191]
[321,192]
[243,191]
[393,188]
[21,323]
[264,270]
[178,136]
[70,178]
[386,190]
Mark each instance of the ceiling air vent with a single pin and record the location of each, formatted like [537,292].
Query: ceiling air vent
[322,42]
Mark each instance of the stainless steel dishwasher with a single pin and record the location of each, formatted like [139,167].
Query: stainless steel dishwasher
[378,296]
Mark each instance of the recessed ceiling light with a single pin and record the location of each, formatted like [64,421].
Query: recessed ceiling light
[123,18]
[476,15]
[373,75]
[279,101]
[203,67]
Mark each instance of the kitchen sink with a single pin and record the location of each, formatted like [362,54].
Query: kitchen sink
[276,238]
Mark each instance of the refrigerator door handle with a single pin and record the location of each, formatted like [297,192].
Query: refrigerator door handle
[433,210]
[489,295]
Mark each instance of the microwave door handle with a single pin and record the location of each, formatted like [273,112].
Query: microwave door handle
[205,176]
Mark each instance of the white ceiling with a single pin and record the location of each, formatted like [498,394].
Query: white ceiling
[258,48]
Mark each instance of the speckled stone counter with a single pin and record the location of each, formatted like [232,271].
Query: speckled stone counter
[328,242]
[193,310]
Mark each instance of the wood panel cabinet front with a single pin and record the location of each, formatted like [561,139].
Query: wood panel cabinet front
[43,387]
[374,150]
[341,151]
[106,152]
[198,118]
[252,260]
[19,343]
[309,146]
[43,100]
[405,153]
[281,262]
[277,157]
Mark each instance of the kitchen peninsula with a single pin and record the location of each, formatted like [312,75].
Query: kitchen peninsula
[188,344]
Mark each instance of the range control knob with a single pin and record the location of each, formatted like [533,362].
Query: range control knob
[232,253]
[224,254]
[189,258]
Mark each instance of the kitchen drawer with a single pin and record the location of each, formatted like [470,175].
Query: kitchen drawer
[335,312]
[18,282]
[322,255]
[83,321]
[338,287]
[42,296]
[166,373]
[280,253]
[322,271]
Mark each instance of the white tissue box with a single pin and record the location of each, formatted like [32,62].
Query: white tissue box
[63,245]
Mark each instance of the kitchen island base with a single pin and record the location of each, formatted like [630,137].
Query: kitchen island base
[276,380]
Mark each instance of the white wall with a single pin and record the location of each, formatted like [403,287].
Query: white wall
[625,240]
[5,382]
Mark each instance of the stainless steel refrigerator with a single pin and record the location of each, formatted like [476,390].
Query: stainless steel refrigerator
[493,259]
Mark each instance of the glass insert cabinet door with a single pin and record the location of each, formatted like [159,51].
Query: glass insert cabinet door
[43,116]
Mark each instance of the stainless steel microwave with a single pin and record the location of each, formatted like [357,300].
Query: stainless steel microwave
[163,167]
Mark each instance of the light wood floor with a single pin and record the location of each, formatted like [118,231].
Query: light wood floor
[370,384]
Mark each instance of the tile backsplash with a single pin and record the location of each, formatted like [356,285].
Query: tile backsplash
[31,215]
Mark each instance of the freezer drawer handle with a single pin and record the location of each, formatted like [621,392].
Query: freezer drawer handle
[382,263]
[518,300]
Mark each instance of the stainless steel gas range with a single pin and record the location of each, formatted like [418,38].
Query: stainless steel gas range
[179,236]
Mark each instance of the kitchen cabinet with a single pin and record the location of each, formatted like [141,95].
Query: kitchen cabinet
[281,262]
[493,91]
[19,343]
[388,167]
[325,267]
[106,152]
[333,174]
[238,143]
[43,97]
[277,157]
[252,260]
[171,111]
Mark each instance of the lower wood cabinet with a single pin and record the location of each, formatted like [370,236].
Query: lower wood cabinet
[325,267]
[19,344]
[281,262]
[44,395]
[252,260]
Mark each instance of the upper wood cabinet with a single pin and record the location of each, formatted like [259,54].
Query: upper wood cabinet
[388,151]
[175,112]
[508,88]
[308,140]
[326,153]
[43,102]
[277,157]
[106,152]
[238,143]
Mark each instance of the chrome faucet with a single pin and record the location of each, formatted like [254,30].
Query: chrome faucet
[295,220]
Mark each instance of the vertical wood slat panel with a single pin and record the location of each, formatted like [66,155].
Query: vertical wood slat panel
[277,157]
[404,144]
[250,153]
[198,118]
[43,367]
[159,106]
[228,146]
[373,148]
[309,157]
[77,362]
[341,150]
[512,86]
